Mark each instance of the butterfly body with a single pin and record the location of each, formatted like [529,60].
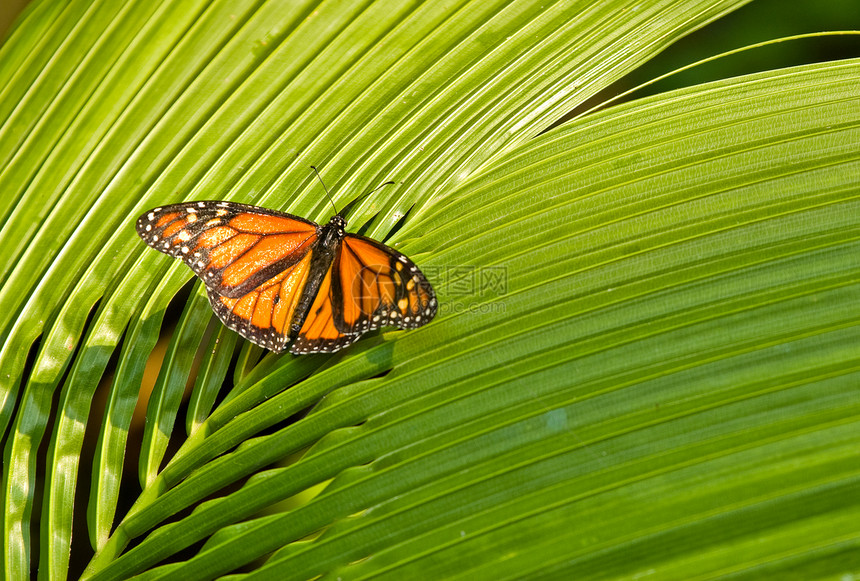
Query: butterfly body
[284,282]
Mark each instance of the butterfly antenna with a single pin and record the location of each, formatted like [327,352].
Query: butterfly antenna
[362,196]
[325,188]
[379,187]
[350,205]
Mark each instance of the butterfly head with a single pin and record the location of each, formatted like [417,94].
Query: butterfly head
[338,223]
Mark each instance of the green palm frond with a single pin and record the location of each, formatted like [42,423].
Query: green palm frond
[645,361]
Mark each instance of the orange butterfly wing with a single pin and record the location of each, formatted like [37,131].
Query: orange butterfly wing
[264,315]
[255,262]
[369,285]
[318,333]
[234,248]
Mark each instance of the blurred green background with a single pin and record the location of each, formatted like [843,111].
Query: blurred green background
[759,21]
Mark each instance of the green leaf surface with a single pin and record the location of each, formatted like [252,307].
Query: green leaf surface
[649,346]
[645,358]
[210,378]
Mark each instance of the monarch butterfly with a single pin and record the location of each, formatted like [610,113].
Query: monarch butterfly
[284,282]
